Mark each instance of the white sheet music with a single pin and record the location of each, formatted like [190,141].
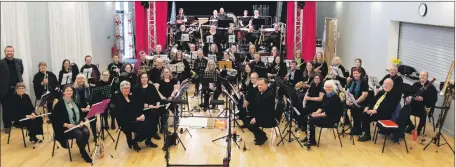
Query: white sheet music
[172,67]
[150,57]
[209,39]
[212,57]
[266,59]
[87,72]
[66,78]
[231,39]
[185,37]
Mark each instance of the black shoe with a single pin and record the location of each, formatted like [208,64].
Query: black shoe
[34,140]
[151,144]
[113,126]
[156,136]
[304,140]
[130,144]
[260,142]
[106,126]
[136,147]
[311,143]
[355,132]
[365,137]
[409,129]
[86,156]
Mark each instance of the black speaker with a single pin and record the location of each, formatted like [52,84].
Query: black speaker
[145,4]
[301,4]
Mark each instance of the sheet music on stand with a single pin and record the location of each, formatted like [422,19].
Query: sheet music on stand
[172,67]
[66,78]
[225,65]
[212,57]
[337,71]
[98,108]
[373,82]
[101,93]
[209,39]
[348,96]
[266,59]
[185,38]
[87,72]
[231,39]
[150,57]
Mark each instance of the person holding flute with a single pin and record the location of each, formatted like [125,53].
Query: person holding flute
[68,115]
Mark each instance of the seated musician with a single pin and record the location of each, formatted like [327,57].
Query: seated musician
[214,51]
[181,76]
[278,68]
[250,91]
[155,72]
[44,81]
[256,15]
[24,109]
[199,67]
[158,50]
[226,37]
[143,65]
[327,115]
[244,20]
[358,63]
[274,52]
[421,105]
[294,75]
[167,89]
[381,108]
[336,63]
[245,78]
[115,71]
[252,36]
[359,88]
[82,99]
[309,74]
[67,68]
[258,66]
[210,83]
[181,45]
[130,117]
[313,100]
[216,37]
[398,82]
[263,112]
[128,75]
[320,65]
[67,115]
[233,52]
[146,96]
[93,76]
[300,63]
[250,54]
[276,36]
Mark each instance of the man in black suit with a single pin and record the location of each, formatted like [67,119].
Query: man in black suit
[11,70]
[263,112]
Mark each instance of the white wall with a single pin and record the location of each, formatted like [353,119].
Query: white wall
[101,20]
[370,31]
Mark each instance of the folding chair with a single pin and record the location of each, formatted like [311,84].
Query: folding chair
[389,126]
[23,135]
[69,147]
[332,127]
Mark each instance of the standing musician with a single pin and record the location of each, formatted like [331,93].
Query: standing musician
[320,65]
[181,18]
[222,15]
[256,15]
[147,96]
[278,68]
[199,66]
[210,83]
[155,72]
[143,65]
[423,104]
[313,100]
[104,81]
[359,88]
[180,60]
[263,112]
[258,66]
[67,68]
[67,115]
[82,99]
[115,71]
[158,50]
[250,91]
[24,109]
[213,18]
[338,65]
[398,82]
[295,75]
[381,108]
[130,117]
[300,63]
[358,63]
[44,81]
[11,70]
[167,89]
[92,71]
[181,45]
[276,37]
[328,114]
[244,20]
[128,75]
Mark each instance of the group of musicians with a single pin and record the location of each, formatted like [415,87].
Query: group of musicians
[137,91]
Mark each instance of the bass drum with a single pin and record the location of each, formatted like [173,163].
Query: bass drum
[233,17]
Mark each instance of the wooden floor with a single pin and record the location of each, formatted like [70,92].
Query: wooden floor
[201,150]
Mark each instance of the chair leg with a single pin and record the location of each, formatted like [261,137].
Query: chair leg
[53,148]
[23,137]
[406,147]
[334,133]
[69,150]
[318,143]
[384,143]
[9,135]
[117,141]
[71,143]
[433,123]
[375,135]
[340,141]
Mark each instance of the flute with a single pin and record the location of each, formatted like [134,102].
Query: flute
[77,126]
[42,115]
[158,104]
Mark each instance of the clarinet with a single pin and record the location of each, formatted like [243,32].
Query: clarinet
[308,132]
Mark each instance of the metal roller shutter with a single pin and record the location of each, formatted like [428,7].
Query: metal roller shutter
[427,47]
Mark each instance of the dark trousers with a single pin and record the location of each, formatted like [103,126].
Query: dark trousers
[367,119]
[421,124]
[81,135]
[302,119]
[318,121]
[34,126]
[207,96]
[149,126]
[357,114]
[257,132]
[8,108]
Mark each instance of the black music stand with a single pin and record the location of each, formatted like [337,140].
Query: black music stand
[290,94]
[99,94]
[258,22]
[224,23]
[228,113]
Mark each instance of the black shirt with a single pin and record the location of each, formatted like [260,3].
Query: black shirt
[112,72]
[166,88]
[332,107]
[22,106]
[12,71]
[364,87]
[314,91]
[154,74]
[429,97]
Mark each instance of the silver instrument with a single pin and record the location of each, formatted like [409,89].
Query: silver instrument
[42,115]
[78,126]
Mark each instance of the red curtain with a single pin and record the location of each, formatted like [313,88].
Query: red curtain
[309,30]
[161,14]
[290,29]
[140,28]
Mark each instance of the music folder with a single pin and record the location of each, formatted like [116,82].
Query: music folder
[209,39]
[225,65]
[231,39]
[66,78]
[98,108]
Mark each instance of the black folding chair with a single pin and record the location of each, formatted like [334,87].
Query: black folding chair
[332,127]
[23,135]
[69,147]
